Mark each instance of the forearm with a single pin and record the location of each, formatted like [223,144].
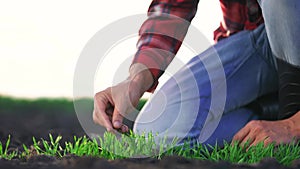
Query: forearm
[140,74]
[161,35]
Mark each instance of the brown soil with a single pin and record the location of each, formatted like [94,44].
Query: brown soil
[22,127]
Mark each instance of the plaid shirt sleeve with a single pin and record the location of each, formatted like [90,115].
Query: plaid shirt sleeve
[238,15]
[161,35]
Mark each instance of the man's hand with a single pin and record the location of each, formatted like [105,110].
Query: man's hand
[277,132]
[114,103]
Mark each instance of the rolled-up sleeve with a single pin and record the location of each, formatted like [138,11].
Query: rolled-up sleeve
[161,35]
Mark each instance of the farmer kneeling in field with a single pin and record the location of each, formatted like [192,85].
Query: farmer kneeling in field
[207,100]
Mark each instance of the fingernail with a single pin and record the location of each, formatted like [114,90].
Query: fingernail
[117,124]
[124,129]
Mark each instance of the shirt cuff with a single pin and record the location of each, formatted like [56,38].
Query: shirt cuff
[143,57]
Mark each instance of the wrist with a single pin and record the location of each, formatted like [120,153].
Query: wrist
[294,122]
[142,76]
[295,119]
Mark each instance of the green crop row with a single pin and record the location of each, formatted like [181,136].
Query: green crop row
[128,146]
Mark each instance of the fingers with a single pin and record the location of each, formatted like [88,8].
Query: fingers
[101,112]
[254,133]
[124,128]
[249,135]
[117,121]
[112,104]
[103,120]
[268,141]
[241,135]
[249,140]
[106,115]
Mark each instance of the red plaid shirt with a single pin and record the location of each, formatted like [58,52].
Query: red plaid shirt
[161,35]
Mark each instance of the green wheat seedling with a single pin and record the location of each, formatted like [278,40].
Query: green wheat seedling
[82,147]
[4,153]
[132,145]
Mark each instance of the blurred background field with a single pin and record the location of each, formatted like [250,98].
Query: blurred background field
[12,105]
[40,42]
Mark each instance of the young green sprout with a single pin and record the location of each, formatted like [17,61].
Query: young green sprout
[132,145]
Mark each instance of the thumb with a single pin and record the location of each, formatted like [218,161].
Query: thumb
[117,119]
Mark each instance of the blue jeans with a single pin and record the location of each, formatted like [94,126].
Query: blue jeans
[184,103]
[206,101]
[282,26]
[282,19]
